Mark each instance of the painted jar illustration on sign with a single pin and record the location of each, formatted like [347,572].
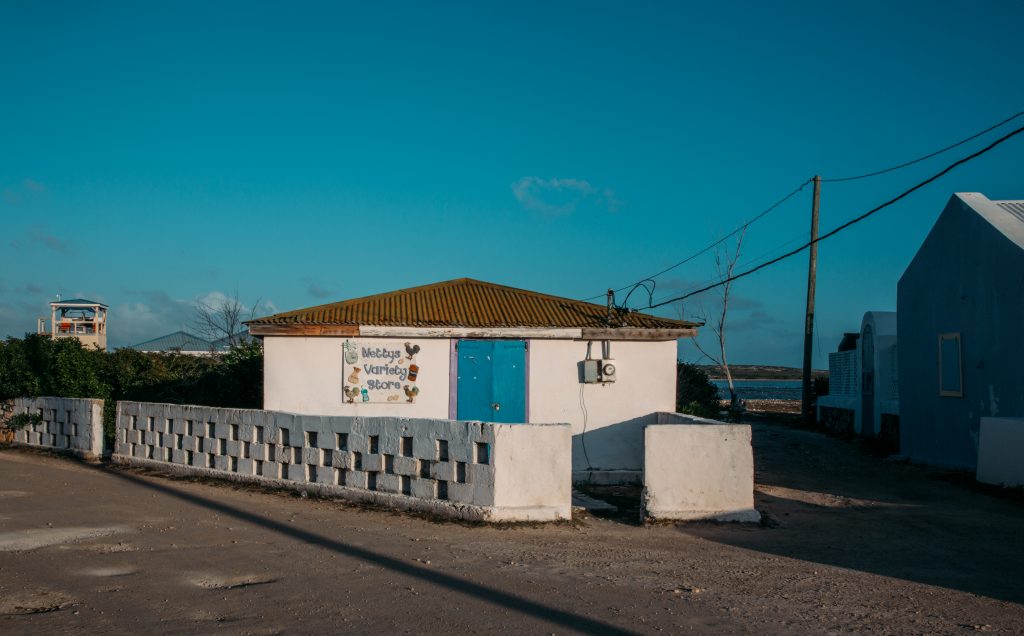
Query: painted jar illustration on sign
[351,353]
[366,395]
[414,370]
[353,378]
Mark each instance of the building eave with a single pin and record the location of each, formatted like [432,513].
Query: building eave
[540,333]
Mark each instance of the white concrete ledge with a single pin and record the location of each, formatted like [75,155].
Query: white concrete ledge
[446,509]
[1000,451]
[838,402]
[698,469]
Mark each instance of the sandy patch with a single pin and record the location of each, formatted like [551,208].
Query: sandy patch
[825,499]
[222,582]
[102,548]
[33,601]
[113,571]
[43,537]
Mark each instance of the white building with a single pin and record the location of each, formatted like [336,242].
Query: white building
[961,307]
[863,396]
[471,350]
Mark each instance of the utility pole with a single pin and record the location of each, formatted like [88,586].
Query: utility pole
[812,275]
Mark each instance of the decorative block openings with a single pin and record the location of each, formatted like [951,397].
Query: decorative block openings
[440,466]
[71,425]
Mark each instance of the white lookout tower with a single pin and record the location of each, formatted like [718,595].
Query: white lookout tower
[78,318]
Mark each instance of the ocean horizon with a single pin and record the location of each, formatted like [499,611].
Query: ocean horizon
[761,389]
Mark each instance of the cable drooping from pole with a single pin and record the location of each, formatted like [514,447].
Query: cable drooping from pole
[716,243]
[842,227]
[928,156]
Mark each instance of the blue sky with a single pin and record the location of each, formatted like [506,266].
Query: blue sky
[298,153]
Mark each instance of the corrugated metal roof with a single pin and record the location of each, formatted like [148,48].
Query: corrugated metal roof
[465,302]
[177,341]
[223,344]
[1016,208]
[77,301]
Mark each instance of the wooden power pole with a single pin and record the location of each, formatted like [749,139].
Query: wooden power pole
[812,275]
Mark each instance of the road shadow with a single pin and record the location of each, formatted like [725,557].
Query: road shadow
[830,502]
[505,600]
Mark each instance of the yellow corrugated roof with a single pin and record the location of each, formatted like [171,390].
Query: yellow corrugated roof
[465,302]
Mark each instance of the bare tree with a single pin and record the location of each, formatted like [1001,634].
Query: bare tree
[221,321]
[725,263]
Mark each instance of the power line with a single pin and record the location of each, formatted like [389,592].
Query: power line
[748,262]
[847,224]
[928,156]
[712,245]
[639,283]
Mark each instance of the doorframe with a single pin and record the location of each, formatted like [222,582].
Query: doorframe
[453,376]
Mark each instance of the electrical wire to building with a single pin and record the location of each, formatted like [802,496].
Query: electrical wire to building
[716,243]
[747,263]
[583,434]
[633,286]
[846,225]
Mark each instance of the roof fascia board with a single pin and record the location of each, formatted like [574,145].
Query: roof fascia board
[471,332]
[636,333]
[615,333]
[299,329]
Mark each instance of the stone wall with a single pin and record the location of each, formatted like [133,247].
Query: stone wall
[467,470]
[71,425]
[841,421]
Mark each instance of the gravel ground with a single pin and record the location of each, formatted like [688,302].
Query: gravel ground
[852,543]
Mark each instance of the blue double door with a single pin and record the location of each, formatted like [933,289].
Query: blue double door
[491,383]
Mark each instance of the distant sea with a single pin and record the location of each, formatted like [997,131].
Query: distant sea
[761,389]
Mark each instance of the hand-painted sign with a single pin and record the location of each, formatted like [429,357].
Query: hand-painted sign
[379,371]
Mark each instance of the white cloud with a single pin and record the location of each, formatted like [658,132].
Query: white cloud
[561,196]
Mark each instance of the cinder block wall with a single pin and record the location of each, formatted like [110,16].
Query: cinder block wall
[698,469]
[71,425]
[443,467]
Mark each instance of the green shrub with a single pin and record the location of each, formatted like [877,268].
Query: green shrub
[41,366]
[695,393]
[21,420]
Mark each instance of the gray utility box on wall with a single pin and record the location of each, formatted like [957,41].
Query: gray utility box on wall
[596,371]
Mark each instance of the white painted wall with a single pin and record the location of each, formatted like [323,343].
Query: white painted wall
[304,375]
[698,469]
[532,469]
[607,419]
[886,393]
[1000,449]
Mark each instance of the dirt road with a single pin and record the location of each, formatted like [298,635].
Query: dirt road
[855,544]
